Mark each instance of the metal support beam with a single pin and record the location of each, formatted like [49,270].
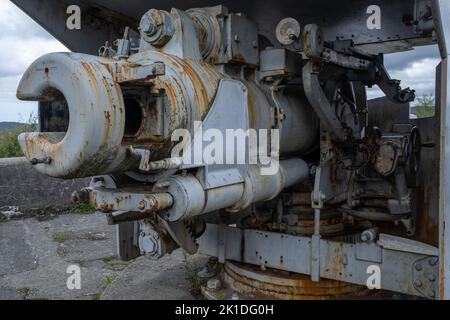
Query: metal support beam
[441,8]
[319,101]
[406,266]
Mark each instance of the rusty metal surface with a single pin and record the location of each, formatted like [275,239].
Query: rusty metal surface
[121,200]
[94,90]
[252,282]
[92,143]
[339,261]
[190,85]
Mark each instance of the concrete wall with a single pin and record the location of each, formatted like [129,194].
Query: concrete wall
[23,186]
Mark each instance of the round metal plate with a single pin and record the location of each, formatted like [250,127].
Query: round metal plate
[288,31]
[252,282]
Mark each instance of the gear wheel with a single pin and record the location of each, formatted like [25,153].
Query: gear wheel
[185,233]
[196,227]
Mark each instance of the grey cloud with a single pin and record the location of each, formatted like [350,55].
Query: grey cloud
[14,22]
[22,39]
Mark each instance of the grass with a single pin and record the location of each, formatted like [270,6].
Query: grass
[80,263]
[108,281]
[25,291]
[62,237]
[424,111]
[109,260]
[43,210]
[9,145]
[425,107]
[83,209]
[191,275]
[221,297]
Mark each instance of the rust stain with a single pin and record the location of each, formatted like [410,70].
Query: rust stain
[278,284]
[107,126]
[92,77]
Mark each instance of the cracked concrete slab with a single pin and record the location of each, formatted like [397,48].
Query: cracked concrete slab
[15,250]
[35,255]
[166,281]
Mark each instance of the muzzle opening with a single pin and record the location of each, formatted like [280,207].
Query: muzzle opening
[54,114]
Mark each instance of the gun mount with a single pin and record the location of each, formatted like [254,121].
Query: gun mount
[248,140]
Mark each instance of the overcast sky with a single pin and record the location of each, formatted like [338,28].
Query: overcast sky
[23,41]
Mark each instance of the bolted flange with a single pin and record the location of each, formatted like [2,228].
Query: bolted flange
[157,27]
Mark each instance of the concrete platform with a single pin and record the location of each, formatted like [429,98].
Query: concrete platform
[35,255]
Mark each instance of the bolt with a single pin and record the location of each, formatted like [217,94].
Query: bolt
[46,160]
[369,235]
[432,262]
[75,198]
[365,237]
[418,283]
[345,260]
[432,278]
[255,44]
[142,205]
[419,267]
[81,196]
[148,25]
[157,27]
[236,38]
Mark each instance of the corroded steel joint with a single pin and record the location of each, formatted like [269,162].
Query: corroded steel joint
[102,99]
[92,143]
[157,27]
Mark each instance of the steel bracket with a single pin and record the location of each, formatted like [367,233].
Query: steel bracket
[316,96]
[425,276]
[139,74]
[340,261]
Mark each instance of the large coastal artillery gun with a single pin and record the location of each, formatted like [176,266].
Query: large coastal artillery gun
[245,133]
